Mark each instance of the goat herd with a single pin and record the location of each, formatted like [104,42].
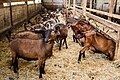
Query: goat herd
[37,40]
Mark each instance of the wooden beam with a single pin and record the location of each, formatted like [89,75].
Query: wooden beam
[49,3]
[52,2]
[81,1]
[74,4]
[84,7]
[117,50]
[68,3]
[35,6]
[91,4]
[111,8]
[21,0]
[105,22]
[3,1]
[64,3]
[7,1]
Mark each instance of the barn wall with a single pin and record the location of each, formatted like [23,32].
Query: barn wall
[104,5]
[53,4]
[4,18]
[19,14]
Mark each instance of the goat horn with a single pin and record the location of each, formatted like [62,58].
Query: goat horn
[57,24]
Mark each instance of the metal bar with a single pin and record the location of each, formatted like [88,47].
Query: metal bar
[11,14]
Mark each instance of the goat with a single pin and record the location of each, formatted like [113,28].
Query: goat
[29,49]
[100,43]
[62,31]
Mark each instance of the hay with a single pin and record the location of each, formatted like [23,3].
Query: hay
[62,65]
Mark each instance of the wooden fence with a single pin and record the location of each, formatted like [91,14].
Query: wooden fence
[14,16]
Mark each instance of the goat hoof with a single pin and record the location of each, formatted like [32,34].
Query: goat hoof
[79,61]
[15,71]
[40,77]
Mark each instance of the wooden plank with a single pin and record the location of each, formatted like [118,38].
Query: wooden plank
[105,22]
[102,12]
[49,3]
[91,4]
[68,3]
[84,7]
[21,0]
[111,8]
[7,1]
[2,1]
[74,4]
[117,50]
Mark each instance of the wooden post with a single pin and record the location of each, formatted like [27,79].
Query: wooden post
[64,3]
[91,4]
[81,2]
[74,3]
[11,14]
[111,7]
[26,2]
[35,6]
[68,3]
[117,49]
[84,7]
[52,2]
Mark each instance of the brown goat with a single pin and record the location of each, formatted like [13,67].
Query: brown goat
[29,49]
[62,31]
[100,43]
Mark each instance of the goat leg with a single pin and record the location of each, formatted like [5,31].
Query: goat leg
[74,38]
[84,54]
[40,75]
[15,64]
[66,43]
[42,69]
[79,58]
[60,44]
[111,55]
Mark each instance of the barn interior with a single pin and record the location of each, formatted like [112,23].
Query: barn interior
[17,15]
